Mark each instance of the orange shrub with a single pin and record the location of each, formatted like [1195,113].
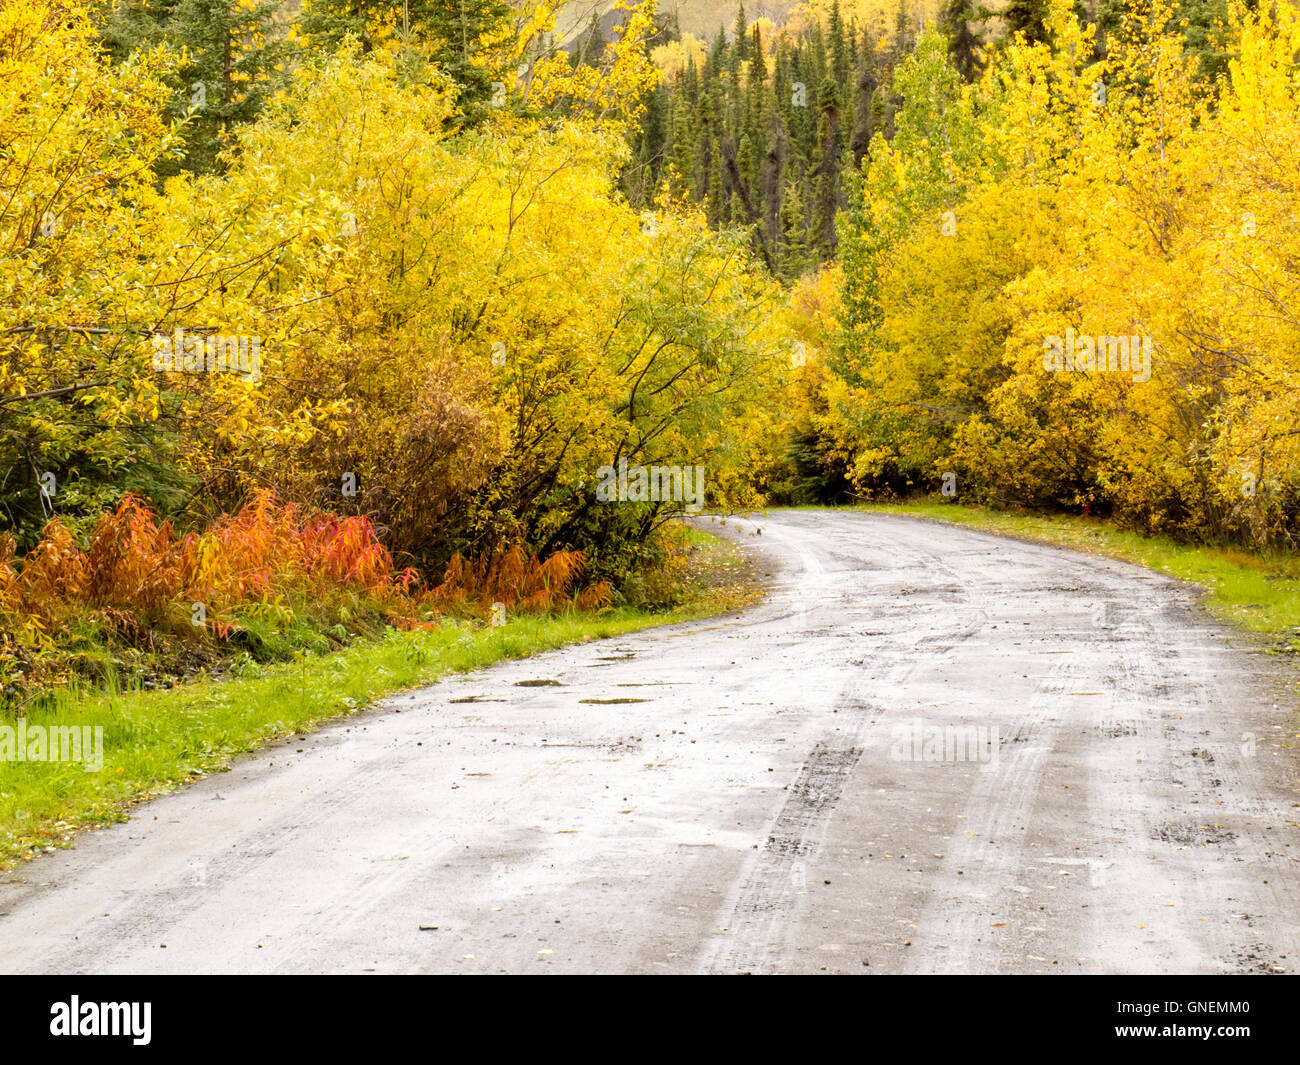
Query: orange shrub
[525,583]
[137,577]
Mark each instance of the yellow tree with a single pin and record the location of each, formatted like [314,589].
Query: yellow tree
[78,140]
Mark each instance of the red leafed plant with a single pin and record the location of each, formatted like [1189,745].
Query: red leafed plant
[521,582]
[268,548]
[137,578]
[135,571]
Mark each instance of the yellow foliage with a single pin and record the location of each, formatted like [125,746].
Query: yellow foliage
[1146,210]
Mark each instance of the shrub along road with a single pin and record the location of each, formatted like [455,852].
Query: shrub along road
[930,750]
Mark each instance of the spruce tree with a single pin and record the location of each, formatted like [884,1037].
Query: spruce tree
[740,31]
[794,259]
[592,48]
[864,113]
[1026,16]
[232,51]
[839,59]
[963,45]
[757,64]
[902,30]
[683,153]
[826,171]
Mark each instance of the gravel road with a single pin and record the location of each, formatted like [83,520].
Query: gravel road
[929,750]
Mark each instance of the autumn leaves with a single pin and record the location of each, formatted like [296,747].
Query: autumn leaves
[458,321]
[1080,298]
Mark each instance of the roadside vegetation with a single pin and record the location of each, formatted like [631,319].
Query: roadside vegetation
[338,306]
[156,740]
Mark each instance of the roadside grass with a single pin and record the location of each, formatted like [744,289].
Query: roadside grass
[1257,592]
[155,741]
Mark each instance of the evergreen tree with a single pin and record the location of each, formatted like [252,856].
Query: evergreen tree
[838,47]
[864,127]
[902,30]
[232,51]
[716,62]
[1026,16]
[691,83]
[328,22]
[651,142]
[826,171]
[740,31]
[795,259]
[770,192]
[715,204]
[683,153]
[456,28]
[757,64]
[127,28]
[765,141]
[593,44]
[453,30]
[963,45]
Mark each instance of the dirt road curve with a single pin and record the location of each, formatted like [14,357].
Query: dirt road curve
[802,788]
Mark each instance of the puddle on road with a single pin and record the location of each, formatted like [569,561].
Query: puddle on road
[611,702]
[544,683]
[653,684]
